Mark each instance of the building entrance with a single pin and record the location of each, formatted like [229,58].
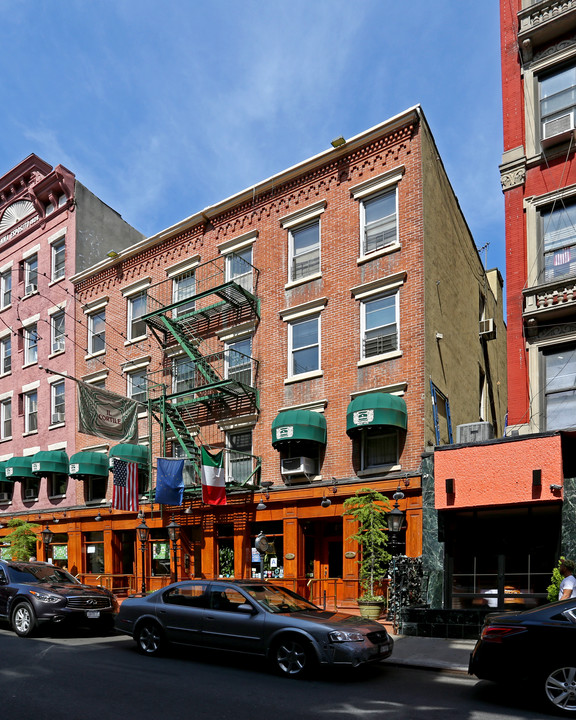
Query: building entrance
[323,560]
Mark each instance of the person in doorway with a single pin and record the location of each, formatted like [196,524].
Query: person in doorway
[568,584]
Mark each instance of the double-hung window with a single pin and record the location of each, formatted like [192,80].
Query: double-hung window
[559,240]
[30,344]
[31,411]
[136,310]
[31,275]
[5,355]
[138,385]
[378,449]
[379,325]
[58,402]
[239,454]
[184,287]
[58,259]
[304,346]
[239,268]
[379,228]
[304,251]
[239,361]
[57,331]
[6,419]
[97,332]
[560,387]
[5,289]
[183,374]
[557,101]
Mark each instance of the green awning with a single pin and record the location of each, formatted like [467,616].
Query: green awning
[50,461]
[88,464]
[376,410]
[3,477]
[130,453]
[298,425]
[18,468]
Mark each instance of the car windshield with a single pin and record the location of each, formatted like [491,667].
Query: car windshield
[30,573]
[278,599]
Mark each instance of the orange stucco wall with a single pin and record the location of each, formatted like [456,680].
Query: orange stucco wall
[499,473]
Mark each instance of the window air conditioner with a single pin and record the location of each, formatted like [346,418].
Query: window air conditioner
[557,130]
[31,288]
[4,496]
[30,494]
[59,345]
[298,466]
[58,417]
[474,432]
[487,329]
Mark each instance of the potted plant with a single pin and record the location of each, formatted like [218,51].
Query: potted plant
[370,509]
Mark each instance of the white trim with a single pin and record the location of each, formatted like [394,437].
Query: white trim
[380,470]
[374,185]
[57,308]
[183,266]
[238,243]
[96,354]
[377,287]
[303,376]
[379,253]
[316,406]
[95,376]
[7,395]
[3,458]
[30,252]
[6,267]
[58,235]
[396,389]
[314,307]
[57,378]
[299,217]
[95,305]
[137,364]
[237,332]
[31,320]
[137,287]
[58,446]
[30,451]
[238,423]
[379,358]
[102,448]
[31,386]
[5,333]
[301,281]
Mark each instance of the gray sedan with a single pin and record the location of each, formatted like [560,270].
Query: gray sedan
[255,617]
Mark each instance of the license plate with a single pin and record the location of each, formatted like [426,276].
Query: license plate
[92,613]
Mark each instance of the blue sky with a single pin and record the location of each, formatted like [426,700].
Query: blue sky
[163,108]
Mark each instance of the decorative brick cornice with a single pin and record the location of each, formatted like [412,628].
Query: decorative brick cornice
[513,178]
[543,22]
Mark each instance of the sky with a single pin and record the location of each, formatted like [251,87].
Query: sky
[162,108]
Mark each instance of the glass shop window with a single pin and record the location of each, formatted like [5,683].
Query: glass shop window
[274,557]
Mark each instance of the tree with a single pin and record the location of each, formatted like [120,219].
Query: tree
[22,539]
[370,509]
[554,587]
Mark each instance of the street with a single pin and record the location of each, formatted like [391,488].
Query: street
[77,676]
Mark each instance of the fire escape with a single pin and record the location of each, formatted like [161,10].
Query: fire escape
[205,380]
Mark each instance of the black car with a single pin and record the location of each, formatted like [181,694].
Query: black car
[537,646]
[251,616]
[36,592]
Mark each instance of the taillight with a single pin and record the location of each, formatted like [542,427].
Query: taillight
[498,633]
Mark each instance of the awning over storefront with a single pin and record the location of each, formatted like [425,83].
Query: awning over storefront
[130,453]
[18,468]
[375,410]
[3,477]
[47,462]
[298,425]
[88,464]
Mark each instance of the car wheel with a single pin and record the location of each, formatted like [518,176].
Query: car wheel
[560,689]
[292,657]
[24,620]
[149,638]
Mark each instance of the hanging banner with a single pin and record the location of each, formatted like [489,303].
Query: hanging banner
[107,414]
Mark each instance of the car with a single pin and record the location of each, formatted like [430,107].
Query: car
[33,593]
[254,617]
[535,646]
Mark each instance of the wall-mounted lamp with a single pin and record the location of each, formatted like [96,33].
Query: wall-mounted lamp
[555,488]
[98,517]
[266,484]
[326,502]
[112,254]
[439,336]
[449,486]
[338,142]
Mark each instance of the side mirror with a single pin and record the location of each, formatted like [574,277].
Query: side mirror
[246,608]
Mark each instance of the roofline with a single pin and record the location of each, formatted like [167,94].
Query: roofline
[498,441]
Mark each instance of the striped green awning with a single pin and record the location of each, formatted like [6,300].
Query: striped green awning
[298,425]
[88,464]
[375,410]
[47,462]
[18,468]
[130,453]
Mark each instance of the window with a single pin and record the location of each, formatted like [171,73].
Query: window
[5,355]
[31,411]
[304,341]
[95,488]
[138,385]
[379,449]
[6,491]
[160,556]
[31,275]
[184,286]
[239,268]
[225,548]
[57,485]
[6,419]
[57,332]
[239,361]
[136,309]
[97,332]
[378,222]
[5,289]
[30,344]
[304,251]
[58,257]
[239,457]
[94,552]
[57,401]
[183,374]
[379,326]
[30,489]
[557,96]
[560,389]
[559,233]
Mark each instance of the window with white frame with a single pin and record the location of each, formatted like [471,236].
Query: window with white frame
[183,287]
[31,411]
[57,485]
[183,374]
[31,274]
[5,289]
[239,361]
[57,331]
[97,332]
[6,419]
[378,221]
[239,456]
[378,449]
[30,344]
[239,268]
[560,386]
[304,253]
[5,355]
[559,240]
[58,259]
[138,385]
[379,326]
[557,99]
[58,402]
[136,310]
[304,346]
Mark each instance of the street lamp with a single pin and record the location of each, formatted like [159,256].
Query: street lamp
[47,536]
[174,533]
[395,521]
[143,531]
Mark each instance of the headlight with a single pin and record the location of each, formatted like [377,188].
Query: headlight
[45,598]
[342,636]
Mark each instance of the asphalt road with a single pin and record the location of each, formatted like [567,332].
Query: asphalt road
[67,676]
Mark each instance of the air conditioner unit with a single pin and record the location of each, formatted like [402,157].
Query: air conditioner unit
[487,329]
[557,130]
[298,466]
[4,497]
[59,345]
[30,494]
[58,417]
[474,432]
[31,289]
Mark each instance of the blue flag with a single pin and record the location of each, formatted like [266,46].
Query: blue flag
[169,481]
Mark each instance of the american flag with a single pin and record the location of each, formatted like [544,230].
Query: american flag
[125,492]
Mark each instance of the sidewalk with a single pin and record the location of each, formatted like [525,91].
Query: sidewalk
[432,653]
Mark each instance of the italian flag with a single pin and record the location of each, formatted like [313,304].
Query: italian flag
[213,480]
